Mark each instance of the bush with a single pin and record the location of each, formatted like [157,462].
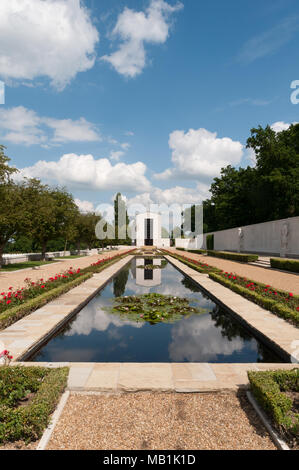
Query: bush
[28,422]
[285,264]
[268,388]
[276,307]
[199,252]
[199,266]
[240,257]
[210,242]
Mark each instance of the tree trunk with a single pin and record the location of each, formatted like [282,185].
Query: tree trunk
[78,247]
[44,249]
[65,246]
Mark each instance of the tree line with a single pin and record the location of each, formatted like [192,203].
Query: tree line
[269,190]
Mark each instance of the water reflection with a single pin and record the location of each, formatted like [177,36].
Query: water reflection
[98,336]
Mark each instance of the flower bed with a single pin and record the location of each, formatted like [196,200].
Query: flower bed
[16,303]
[197,265]
[28,396]
[283,304]
[277,393]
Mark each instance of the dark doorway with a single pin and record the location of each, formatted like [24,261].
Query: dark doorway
[148,232]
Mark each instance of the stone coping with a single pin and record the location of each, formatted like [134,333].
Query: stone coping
[25,336]
[277,333]
[159,377]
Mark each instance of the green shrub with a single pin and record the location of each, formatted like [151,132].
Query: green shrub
[240,257]
[28,422]
[275,307]
[199,252]
[202,268]
[268,388]
[285,264]
[210,242]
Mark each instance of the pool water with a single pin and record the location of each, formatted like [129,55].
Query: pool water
[96,335]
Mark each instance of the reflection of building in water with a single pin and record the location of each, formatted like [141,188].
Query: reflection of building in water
[148,277]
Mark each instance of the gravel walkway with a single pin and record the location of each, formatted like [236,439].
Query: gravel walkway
[16,278]
[159,421]
[280,280]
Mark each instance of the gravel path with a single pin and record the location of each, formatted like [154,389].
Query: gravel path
[159,421]
[284,281]
[16,278]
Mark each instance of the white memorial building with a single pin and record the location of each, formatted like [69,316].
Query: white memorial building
[149,231]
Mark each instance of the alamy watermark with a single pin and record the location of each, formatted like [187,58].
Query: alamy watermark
[177,220]
[2,92]
[295,93]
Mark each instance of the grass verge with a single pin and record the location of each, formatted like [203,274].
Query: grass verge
[277,393]
[28,397]
[278,308]
[25,265]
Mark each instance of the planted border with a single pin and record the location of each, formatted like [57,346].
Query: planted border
[285,264]
[202,268]
[269,389]
[28,422]
[278,308]
[240,257]
[13,314]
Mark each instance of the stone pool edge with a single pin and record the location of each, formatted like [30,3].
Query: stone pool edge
[275,332]
[24,337]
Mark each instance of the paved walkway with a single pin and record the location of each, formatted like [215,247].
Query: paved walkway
[16,278]
[277,279]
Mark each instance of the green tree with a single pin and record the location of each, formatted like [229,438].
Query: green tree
[84,230]
[120,225]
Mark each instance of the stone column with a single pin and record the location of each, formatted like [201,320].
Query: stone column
[284,239]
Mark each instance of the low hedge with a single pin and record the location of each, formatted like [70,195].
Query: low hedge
[192,264]
[275,307]
[19,421]
[241,257]
[10,316]
[285,264]
[268,387]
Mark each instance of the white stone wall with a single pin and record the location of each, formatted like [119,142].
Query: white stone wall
[189,243]
[278,238]
[140,232]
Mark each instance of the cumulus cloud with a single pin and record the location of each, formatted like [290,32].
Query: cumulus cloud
[135,29]
[84,206]
[116,155]
[281,126]
[46,38]
[199,154]
[86,172]
[20,125]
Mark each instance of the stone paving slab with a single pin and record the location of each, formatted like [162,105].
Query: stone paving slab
[278,333]
[161,377]
[40,325]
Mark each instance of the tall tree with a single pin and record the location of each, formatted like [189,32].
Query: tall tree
[121,220]
[84,230]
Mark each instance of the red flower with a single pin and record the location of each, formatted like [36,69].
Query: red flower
[291,295]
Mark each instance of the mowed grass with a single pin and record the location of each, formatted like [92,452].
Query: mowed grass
[26,264]
[69,257]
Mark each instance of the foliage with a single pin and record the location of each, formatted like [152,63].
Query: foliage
[240,257]
[121,225]
[282,304]
[285,264]
[210,242]
[21,421]
[197,265]
[269,389]
[153,308]
[84,230]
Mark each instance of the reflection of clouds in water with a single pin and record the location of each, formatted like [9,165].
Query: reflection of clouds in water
[195,339]
[93,318]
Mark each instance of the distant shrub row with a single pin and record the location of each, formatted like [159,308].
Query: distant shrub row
[241,257]
[285,264]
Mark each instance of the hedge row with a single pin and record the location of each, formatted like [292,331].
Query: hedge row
[28,422]
[241,257]
[199,252]
[268,388]
[14,314]
[285,264]
[192,264]
[10,316]
[269,304]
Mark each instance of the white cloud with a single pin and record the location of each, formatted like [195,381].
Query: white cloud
[199,154]
[116,155]
[46,38]
[85,172]
[135,29]
[2,92]
[20,125]
[281,126]
[84,206]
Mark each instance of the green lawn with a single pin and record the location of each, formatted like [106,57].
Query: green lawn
[69,257]
[26,264]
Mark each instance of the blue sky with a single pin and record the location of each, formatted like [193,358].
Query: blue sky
[150,97]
